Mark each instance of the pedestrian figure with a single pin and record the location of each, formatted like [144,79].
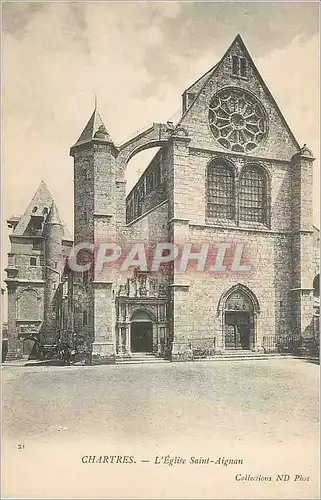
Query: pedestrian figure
[66,355]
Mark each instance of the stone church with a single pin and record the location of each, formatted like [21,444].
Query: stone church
[230,172]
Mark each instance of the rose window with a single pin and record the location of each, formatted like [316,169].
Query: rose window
[237,120]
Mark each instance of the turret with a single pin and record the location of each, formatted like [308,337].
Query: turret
[94,177]
[53,234]
[95,204]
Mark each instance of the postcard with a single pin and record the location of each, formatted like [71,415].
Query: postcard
[160,250]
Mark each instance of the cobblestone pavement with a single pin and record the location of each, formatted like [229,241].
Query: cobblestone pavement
[233,409]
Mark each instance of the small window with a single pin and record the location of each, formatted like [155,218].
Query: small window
[34,210]
[235,65]
[84,318]
[243,68]
[33,261]
[45,211]
[239,66]
[36,245]
[85,277]
[190,98]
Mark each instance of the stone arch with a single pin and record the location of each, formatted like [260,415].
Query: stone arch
[143,147]
[28,289]
[316,286]
[141,314]
[239,287]
[155,136]
[238,308]
[222,159]
[264,169]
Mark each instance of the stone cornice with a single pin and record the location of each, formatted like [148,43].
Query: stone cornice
[240,155]
[249,229]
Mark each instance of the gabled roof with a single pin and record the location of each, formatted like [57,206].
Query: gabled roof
[94,124]
[208,75]
[202,79]
[42,203]
[41,200]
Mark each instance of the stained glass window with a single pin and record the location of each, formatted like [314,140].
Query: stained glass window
[237,119]
[252,195]
[220,191]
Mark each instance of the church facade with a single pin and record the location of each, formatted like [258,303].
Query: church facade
[228,176]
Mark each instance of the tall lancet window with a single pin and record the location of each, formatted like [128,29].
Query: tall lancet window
[220,191]
[253,195]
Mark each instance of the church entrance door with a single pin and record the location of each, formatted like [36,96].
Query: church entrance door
[142,337]
[237,330]
[239,318]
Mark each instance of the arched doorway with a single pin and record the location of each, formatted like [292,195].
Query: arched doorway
[141,332]
[239,319]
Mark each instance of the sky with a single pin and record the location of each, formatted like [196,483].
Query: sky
[138,58]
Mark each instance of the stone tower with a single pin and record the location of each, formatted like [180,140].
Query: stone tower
[37,240]
[95,221]
[53,235]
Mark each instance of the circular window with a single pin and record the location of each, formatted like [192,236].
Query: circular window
[237,120]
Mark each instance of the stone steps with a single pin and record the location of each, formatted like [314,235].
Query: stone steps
[139,358]
[240,356]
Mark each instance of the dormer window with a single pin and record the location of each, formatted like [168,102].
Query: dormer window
[45,211]
[34,210]
[188,99]
[239,66]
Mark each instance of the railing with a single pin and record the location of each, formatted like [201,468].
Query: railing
[203,346]
[286,344]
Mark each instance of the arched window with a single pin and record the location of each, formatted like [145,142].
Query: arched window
[220,191]
[253,195]
[316,286]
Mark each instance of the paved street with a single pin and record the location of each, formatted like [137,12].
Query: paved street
[264,412]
